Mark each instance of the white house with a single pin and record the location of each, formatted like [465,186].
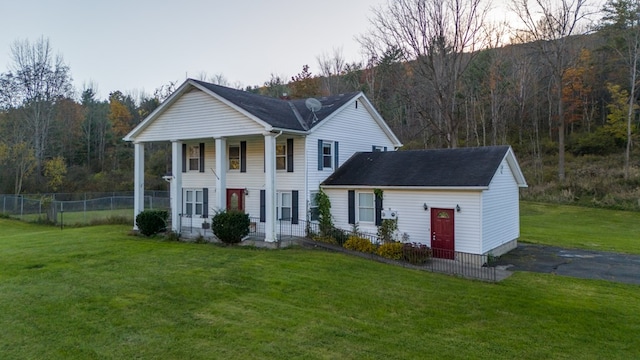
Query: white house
[233,149]
[453,200]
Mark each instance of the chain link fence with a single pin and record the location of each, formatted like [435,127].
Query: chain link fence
[79,209]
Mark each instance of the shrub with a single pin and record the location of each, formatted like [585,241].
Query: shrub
[361,244]
[387,230]
[416,253]
[391,250]
[151,222]
[230,226]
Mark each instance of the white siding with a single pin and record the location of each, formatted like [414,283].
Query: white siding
[355,130]
[254,178]
[500,210]
[197,115]
[414,220]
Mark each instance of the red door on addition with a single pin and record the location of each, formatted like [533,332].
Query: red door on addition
[235,200]
[442,239]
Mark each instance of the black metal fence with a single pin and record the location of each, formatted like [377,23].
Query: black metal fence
[472,266]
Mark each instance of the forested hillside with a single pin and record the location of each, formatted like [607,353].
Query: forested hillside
[560,90]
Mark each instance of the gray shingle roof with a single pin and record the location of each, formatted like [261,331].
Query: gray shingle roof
[462,167]
[277,112]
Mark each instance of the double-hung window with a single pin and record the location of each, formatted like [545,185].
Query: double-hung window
[234,157]
[194,157]
[193,202]
[327,154]
[284,206]
[281,157]
[313,207]
[366,207]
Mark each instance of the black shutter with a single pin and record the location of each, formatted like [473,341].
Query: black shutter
[205,202]
[337,159]
[385,148]
[243,156]
[378,209]
[320,163]
[263,208]
[184,157]
[352,206]
[201,157]
[289,155]
[294,207]
[373,148]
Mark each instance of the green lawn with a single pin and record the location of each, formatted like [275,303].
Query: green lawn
[580,227]
[98,293]
[73,218]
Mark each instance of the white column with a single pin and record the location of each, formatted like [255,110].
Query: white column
[270,187]
[138,181]
[221,173]
[176,184]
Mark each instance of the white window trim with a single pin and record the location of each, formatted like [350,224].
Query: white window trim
[372,207]
[193,152]
[378,148]
[313,205]
[330,146]
[279,202]
[229,157]
[193,204]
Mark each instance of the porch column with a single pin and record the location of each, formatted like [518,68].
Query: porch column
[221,173]
[138,181]
[270,187]
[176,184]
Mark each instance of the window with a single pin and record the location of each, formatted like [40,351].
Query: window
[327,158]
[366,207]
[284,206]
[313,207]
[378,148]
[194,157]
[234,157]
[281,157]
[193,202]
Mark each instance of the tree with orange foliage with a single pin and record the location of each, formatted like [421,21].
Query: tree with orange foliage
[304,84]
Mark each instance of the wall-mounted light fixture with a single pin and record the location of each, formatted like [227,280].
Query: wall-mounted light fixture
[246,191]
[458,208]
[425,206]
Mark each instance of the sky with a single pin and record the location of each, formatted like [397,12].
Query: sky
[139,45]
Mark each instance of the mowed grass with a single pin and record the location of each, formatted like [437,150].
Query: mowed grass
[74,218]
[99,293]
[580,227]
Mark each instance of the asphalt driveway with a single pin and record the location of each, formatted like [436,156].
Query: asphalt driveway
[585,264]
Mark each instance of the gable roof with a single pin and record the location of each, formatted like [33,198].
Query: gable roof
[438,168]
[281,113]
[270,112]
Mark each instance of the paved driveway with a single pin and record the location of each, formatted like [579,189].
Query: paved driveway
[577,263]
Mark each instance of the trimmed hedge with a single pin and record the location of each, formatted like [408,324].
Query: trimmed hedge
[151,222]
[230,226]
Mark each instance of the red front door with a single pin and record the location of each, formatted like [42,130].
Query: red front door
[442,240]
[235,200]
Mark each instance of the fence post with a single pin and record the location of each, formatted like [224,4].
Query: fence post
[21,206]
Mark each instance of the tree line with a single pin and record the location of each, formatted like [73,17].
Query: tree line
[562,78]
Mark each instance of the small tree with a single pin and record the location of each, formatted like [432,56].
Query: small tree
[324,213]
[230,226]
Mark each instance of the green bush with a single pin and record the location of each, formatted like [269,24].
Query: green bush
[358,243]
[151,222]
[230,226]
[391,250]
[416,253]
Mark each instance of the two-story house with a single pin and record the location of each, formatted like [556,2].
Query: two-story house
[233,149]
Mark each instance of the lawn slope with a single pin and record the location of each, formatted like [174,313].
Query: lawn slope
[97,292]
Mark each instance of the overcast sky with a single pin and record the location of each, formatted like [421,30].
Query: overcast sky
[139,45]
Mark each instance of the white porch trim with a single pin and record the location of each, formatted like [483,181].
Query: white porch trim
[176,184]
[221,173]
[270,187]
[138,182]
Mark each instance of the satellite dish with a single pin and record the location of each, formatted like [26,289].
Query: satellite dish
[313,104]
